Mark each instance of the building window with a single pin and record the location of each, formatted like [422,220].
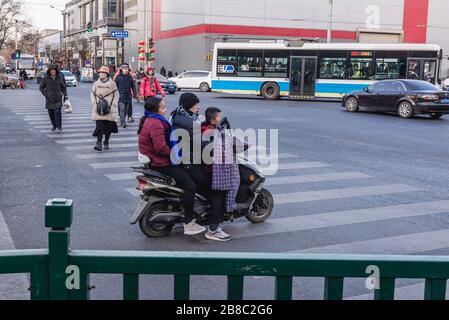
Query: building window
[131,18]
[112,9]
[276,63]
[249,63]
[130,4]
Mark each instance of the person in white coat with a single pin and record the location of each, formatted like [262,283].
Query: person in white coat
[104,98]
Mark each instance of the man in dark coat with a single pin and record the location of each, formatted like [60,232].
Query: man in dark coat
[54,89]
[125,84]
[163,71]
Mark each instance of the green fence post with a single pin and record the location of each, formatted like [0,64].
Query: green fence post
[58,217]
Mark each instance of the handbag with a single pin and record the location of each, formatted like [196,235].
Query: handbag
[68,106]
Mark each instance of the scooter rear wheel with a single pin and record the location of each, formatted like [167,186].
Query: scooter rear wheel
[262,208]
[154,230]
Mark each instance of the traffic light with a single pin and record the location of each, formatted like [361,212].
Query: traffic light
[142,50]
[151,43]
[151,55]
[18,53]
[89,27]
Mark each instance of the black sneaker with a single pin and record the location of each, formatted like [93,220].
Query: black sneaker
[59,129]
[98,146]
[53,129]
[106,145]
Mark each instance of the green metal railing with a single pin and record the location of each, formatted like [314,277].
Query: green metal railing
[48,277]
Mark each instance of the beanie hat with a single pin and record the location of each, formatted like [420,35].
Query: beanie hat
[188,100]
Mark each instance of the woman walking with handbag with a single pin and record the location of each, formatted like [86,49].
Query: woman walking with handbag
[104,98]
[150,86]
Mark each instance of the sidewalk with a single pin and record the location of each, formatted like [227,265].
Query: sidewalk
[12,287]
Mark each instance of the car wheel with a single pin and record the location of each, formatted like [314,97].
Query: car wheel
[352,104]
[435,115]
[405,110]
[204,87]
[270,91]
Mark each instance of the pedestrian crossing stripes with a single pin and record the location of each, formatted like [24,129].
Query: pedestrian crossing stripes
[330,185]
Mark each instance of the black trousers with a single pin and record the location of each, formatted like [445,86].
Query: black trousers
[56,117]
[185,182]
[129,110]
[216,197]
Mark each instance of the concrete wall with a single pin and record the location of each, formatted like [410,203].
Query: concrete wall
[438,29]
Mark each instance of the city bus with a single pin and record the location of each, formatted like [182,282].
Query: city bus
[305,70]
[27,62]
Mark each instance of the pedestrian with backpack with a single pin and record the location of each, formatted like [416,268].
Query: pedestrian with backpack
[104,98]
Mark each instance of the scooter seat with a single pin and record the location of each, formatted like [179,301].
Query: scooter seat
[159,175]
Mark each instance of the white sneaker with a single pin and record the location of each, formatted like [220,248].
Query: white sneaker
[193,228]
[217,235]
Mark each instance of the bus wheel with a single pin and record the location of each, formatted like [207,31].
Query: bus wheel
[270,91]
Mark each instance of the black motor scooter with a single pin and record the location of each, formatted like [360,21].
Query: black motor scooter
[160,207]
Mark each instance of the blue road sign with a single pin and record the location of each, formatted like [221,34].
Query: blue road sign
[119,34]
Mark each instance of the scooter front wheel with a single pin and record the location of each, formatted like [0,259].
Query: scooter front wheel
[262,207]
[154,230]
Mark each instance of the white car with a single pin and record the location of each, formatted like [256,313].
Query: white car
[194,79]
[70,78]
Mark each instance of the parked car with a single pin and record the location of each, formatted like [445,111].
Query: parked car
[194,79]
[405,97]
[167,84]
[40,76]
[9,81]
[70,78]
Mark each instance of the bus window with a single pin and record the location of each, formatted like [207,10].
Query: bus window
[249,63]
[429,71]
[332,68]
[414,69]
[276,64]
[361,68]
[390,68]
[226,62]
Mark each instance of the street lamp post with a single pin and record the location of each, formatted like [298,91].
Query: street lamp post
[16,46]
[329,26]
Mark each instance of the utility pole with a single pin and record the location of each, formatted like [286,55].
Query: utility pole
[146,30]
[329,26]
[17,46]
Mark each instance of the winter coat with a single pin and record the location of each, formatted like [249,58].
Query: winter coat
[126,87]
[54,90]
[150,88]
[105,88]
[153,142]
[182,119]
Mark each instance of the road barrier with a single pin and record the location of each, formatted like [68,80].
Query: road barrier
[61,273]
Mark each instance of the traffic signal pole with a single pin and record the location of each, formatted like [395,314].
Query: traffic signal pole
[17,47]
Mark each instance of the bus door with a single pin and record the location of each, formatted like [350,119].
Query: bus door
[422,69]
[302,76]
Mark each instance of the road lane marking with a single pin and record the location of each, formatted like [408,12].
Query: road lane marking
[339,176]
[111,145]
[106,155]
[114,165]
[74,141]
[341,193]
[405,244]
[337,218]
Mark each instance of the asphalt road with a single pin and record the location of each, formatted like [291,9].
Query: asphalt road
[348,183]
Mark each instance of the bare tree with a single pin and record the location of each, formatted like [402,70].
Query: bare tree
[10,11]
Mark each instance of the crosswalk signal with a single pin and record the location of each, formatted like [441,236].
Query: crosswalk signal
[18,53]
[89,27]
